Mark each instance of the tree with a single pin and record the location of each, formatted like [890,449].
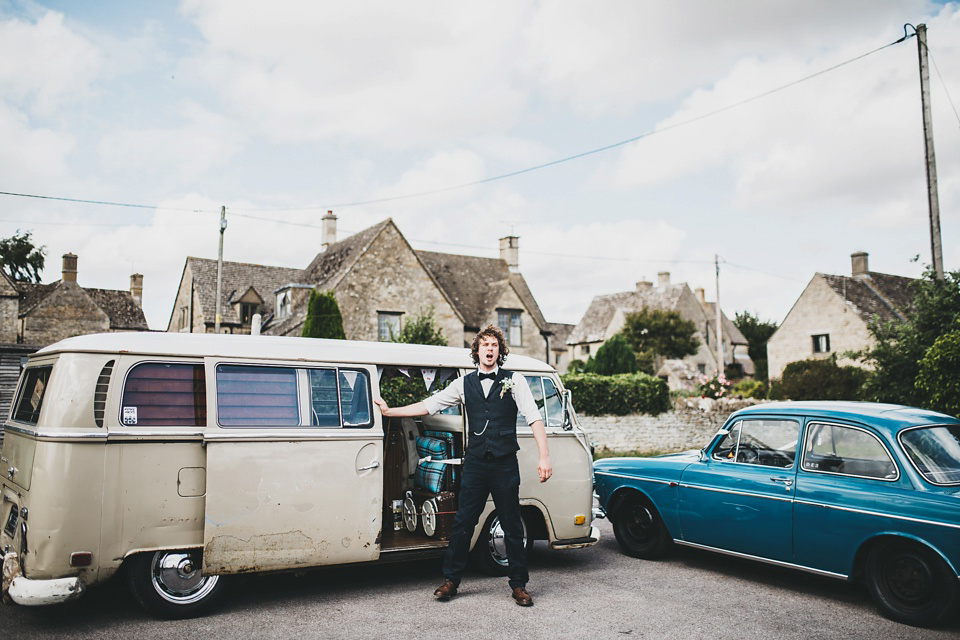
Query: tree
[657,335]
[757,332]
[20,258]
[937,379]
[900,346]
[614,356]
[323,317]
[422,329]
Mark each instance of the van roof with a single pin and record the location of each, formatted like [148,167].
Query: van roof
[278,347]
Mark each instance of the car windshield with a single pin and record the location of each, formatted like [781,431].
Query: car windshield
[935,452]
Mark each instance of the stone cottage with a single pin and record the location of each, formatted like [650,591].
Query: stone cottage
[607,314]
[833,314]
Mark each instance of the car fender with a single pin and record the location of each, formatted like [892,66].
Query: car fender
[863,550]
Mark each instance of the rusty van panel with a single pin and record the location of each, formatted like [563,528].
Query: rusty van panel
[286,503]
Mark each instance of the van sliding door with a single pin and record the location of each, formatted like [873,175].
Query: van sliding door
[294,474]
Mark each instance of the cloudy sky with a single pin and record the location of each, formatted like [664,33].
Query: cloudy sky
[281,110]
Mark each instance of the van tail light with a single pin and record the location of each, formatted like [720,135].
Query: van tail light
[81,559]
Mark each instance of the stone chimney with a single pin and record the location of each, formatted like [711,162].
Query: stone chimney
[858,262]
[69,268]
[644,285]
[701,296]
[663,278]
[329,230]
[136,288]
[510,252]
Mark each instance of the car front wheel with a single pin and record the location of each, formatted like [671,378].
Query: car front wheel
[169,584]
[911,584]
[639,530]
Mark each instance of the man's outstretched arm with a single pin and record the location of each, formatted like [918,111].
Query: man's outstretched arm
[408,411]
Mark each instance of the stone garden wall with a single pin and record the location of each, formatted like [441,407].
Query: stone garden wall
[690,425]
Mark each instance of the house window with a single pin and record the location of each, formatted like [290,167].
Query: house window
[821,343]
[702,368]
[509,322]
[247,309]
[283,304]
[388,325]
[584,349]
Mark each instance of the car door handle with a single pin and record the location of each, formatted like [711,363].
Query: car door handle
[372,465]
[787,482]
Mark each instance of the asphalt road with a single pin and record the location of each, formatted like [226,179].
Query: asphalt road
[588,593]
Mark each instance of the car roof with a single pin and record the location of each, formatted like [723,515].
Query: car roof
[892,417]
[278,347]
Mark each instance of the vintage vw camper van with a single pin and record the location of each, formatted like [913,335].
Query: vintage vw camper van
[184,459]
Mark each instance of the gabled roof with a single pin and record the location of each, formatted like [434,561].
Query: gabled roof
[329,267]
[593,325]
[460,278]
[561,331]
[238,277]
[736,336]
[119,306]
[874,295]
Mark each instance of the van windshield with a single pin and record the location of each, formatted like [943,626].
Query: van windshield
[33,387]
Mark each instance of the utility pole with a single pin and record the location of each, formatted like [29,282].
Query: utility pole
[932,198]
[716,264]
[223,227]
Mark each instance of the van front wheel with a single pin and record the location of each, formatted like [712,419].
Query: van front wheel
[490,553]
[169,584]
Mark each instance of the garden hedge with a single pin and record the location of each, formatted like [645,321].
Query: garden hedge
[617,395]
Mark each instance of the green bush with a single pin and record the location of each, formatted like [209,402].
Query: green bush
[619,394]
[938,377]
[576,366]
[614,356]
[323,317]
[748,388]
[820,380]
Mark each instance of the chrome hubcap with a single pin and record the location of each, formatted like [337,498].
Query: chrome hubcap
[498,542]
[176,577]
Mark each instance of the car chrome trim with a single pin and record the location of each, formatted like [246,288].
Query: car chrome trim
[61,436]
[877,513]
[751,494]
[631,477]
[24,432]
[779,563]
[339,434]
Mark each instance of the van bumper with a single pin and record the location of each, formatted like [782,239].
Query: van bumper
[578,543]
[27,592]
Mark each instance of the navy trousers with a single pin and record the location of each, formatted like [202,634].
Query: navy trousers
[499,478]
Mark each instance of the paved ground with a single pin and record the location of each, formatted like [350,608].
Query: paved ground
[590,593]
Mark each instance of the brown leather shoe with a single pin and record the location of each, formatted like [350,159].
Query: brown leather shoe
[445,591]
[522,597]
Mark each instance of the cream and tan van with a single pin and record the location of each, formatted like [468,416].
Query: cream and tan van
[185,459]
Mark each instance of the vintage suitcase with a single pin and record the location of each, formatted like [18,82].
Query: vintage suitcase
[435,511]
[453,451]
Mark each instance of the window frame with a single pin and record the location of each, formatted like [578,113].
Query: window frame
[21,389]
[821,339]
[123,394]
[337,370]
[511,315]
[297,386]
[381,317]
[808,434]
[910,458]
[741,422]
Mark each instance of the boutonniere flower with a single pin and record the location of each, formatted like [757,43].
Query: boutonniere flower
[507,385]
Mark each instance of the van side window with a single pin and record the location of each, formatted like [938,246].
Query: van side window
[339,397]
[252,396]
[31,395]
[547,396]
[405,385]
[164,394]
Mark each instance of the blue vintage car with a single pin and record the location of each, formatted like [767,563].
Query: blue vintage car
[857,491]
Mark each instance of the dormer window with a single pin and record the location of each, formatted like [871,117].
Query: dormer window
[247,310]
[283,304]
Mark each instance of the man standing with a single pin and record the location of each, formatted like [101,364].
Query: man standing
[491,397]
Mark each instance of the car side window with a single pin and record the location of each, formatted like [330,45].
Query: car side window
[769,443]
[845,450]
[547,396]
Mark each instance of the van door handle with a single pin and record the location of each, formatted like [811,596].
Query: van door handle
[372,465]
[787,482]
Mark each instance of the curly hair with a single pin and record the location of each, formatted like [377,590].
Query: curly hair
[491,331]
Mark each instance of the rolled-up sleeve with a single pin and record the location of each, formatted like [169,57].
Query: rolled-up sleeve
[524,399]
[450,396]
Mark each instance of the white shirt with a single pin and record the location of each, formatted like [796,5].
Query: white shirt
[453,394]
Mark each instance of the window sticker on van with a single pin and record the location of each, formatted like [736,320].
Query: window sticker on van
[164,394]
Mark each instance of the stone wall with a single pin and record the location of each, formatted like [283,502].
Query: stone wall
[67,311]
[690,425]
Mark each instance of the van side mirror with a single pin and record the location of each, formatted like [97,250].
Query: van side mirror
[567,410]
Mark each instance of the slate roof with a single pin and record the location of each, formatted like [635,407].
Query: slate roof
[329,267]
[596,319]
[729,329]
[873,294]
[238,277]
[119,306]
[459,277]
[561,332]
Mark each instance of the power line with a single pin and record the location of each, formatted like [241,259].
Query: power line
[101,202]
